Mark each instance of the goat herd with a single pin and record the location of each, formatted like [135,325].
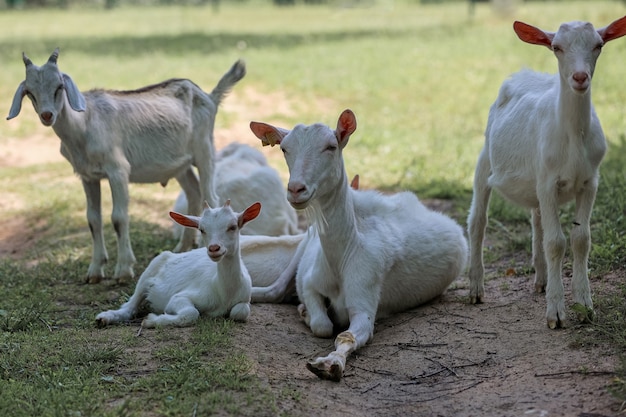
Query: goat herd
[365,255]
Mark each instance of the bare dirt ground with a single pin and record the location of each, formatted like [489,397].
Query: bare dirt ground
[446,358]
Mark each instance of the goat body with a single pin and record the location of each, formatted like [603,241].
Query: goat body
[151,134]
[243,175]
[178,287]
[367,255]
[543,147]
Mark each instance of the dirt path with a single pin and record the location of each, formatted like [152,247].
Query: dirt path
[444,359]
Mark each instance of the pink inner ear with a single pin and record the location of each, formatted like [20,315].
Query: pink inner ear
[346,125]
[183,220]
[533,35]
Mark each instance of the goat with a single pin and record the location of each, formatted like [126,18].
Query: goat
[367,255]
[543,148]
[243,174]
[180,287]
[147,135]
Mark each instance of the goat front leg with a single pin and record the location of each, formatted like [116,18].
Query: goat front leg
[361,330]
[120,219]
[240,312]
[581,244]
[554,249]
[99,255]
[476,225]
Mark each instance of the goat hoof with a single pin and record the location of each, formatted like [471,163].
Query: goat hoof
[583,313]
[93,279]
[332,373]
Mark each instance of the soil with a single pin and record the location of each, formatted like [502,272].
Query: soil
[446,358]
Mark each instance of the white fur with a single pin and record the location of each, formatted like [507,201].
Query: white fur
[368,255]
[178,287]
[151,134]
[243,175]
[543,147]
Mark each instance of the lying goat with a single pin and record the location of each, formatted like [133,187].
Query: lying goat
[180,287]
[147,135]
[368,255]
[243,175]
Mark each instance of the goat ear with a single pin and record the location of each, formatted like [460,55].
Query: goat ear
[346,125]
[533,35]
[250,213]
[183,220]
[54,56]
[74,96]
[26,60]
[268,134]
[615,30]
[16,106]
[354,184]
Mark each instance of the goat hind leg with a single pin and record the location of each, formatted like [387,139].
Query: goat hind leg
[121,223]
[190,185]
[539,256]
[476,226]
[179,312]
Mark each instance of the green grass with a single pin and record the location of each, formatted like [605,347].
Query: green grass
[420,79]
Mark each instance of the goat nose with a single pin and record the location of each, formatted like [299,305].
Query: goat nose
[46,116]
[580,77]
[296,188]
[214,248]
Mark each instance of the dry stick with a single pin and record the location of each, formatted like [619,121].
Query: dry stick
[578,371]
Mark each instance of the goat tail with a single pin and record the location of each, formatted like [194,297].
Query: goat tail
[228,80]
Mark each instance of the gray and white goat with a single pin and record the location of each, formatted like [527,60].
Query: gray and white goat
[147,135]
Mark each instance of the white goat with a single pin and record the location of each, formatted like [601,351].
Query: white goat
[243,175]
[151,134]
[543,147]
[180,287]
[368,255]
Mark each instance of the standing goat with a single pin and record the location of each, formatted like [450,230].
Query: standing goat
[368,255]
[543,148]
[180,287]
[147,135]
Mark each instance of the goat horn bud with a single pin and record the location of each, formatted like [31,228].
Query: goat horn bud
[227,203]
[55,55]
[26,60]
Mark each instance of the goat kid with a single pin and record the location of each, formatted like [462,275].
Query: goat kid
[367,255]
[180,287]
[543,148]
[147,135]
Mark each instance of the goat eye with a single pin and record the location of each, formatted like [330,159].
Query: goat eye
[556,49]
[202,231]
[283,150]
[331,148]
[232,228]
[598,47]
[58,90]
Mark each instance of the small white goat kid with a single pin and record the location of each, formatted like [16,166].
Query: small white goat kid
[243,175]
[180,287]
[368,255]
[147,135]
[543,147]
